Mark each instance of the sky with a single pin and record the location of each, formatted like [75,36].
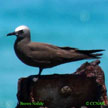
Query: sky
[80,24]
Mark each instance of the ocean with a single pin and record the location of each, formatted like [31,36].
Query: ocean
[81,24]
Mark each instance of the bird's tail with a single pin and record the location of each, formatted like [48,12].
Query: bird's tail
[73,54]
[91,53]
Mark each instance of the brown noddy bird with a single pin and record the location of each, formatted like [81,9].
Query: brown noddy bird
[44,55]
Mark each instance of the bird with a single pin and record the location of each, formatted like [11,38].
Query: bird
[43,55]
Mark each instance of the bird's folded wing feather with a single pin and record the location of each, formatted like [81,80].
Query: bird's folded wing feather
[42,51]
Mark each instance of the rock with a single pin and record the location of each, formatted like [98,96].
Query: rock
[87,84]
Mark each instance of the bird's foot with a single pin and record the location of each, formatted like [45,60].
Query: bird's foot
[35,79]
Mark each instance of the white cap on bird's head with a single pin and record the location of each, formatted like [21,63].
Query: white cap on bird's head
[21,31]
[22,27]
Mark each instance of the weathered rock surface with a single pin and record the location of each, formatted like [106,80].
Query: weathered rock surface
[85,86]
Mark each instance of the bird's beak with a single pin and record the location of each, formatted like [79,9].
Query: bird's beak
[13,33]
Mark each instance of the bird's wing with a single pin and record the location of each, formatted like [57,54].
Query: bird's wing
[68,48]
[45,52]
[50,53]
[41,46]
[91,53]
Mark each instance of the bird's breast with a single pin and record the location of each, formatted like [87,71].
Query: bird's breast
[22,53]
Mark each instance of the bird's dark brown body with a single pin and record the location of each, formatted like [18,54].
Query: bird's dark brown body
[45,55]
[40,55]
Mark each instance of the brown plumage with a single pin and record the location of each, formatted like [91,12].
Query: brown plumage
[45,55]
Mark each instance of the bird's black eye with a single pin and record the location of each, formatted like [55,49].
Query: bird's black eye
[21,31]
